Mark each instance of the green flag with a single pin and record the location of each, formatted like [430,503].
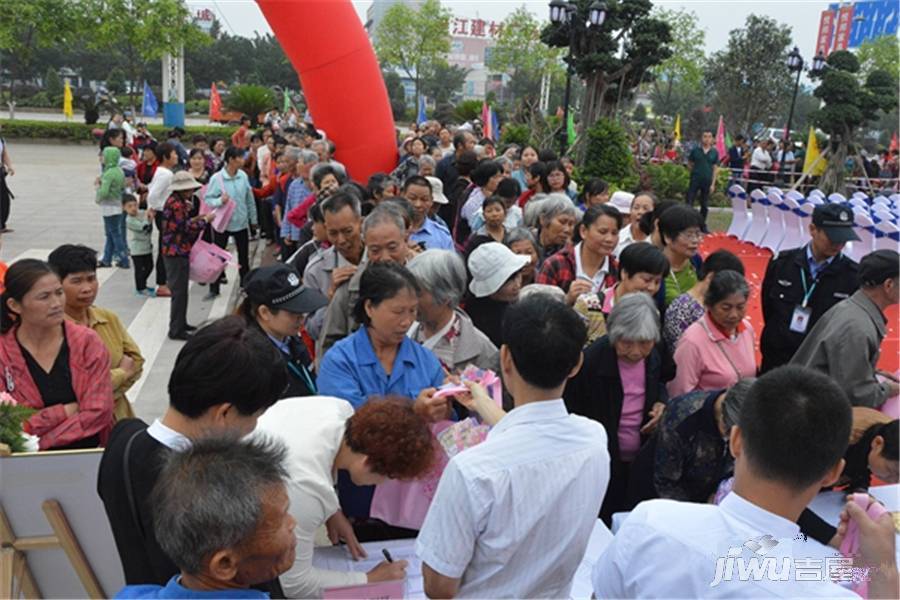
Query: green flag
[728,142]
[287,101]
[570,128]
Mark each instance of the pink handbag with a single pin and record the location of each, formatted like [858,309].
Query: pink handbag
[208,262]
[223,213]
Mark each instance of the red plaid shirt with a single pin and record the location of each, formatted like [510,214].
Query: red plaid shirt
[559,270]
[91,381]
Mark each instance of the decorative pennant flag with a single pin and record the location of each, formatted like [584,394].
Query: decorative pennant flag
[215,104]
[150,106]
[421,118]
[677,131]
[287,101]
[810,165]
[67,100]
[720,138]
[495,125]
[485,119]
[894,146]
[570,129]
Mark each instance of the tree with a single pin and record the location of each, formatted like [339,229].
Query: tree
[848,107]
[519,51]
[115,81]
[53,84]
[250,100]
[414,40]
[141,31]
[880,53]
[749,80]
[396,94]
[442,80]
[677,86]
[26,26]
[614,57]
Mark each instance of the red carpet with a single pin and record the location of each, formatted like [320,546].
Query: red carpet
[755,260]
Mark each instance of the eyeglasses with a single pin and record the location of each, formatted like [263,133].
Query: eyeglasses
[691,236]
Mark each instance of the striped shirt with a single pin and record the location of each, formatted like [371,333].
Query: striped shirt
[513,515]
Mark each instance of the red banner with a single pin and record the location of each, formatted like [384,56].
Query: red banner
[826,29]
[843,27]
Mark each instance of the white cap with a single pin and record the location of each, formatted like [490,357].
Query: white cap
[491,265]
[437,190]
[621,201]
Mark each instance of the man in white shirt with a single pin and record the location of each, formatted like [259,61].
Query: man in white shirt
[513,515]
[157,194]
[760,164]
[793,429]
[323,435]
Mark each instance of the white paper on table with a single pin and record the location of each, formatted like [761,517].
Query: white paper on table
[337,558]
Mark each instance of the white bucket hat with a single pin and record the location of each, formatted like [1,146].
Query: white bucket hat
[621,201]
[437,190]
[491,265]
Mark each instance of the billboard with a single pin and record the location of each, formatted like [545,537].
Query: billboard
[869,19]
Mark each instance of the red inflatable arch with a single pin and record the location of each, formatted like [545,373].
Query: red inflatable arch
[341,79]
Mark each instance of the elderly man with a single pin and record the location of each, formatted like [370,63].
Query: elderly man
[386,237]
[222,516]
[425,231]
[845,343]
[337,264]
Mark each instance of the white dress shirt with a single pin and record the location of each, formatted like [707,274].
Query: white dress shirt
[158,190]
[760,159]
[513,515]
[312,429]
[167,436]
[670,549]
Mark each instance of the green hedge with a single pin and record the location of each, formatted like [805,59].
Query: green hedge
[78,132]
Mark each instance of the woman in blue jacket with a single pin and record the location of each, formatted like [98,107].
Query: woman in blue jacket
[380,360]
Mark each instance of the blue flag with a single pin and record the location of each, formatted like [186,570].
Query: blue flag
[150,106]
[421,118]
[495,125]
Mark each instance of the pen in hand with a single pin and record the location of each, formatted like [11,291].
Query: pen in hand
[387,555]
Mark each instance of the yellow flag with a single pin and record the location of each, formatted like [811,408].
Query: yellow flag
[812,153]
[67,101]
[677,128]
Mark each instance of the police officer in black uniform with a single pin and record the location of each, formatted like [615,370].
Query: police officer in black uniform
[278,303]
[803,283]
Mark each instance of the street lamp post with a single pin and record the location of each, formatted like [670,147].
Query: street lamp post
[794,64]
[565,12]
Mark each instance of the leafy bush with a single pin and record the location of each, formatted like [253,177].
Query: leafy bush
[669,181]
[41,100]
[197,106]
[608,156]
[468,110]
[250,100]
[80,132]
[516,133]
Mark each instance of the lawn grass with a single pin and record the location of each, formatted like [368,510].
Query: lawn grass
[718,220]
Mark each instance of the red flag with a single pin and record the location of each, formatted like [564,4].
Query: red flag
[215,104]
[485,120]
[843,27]
[894,145]
[826,28]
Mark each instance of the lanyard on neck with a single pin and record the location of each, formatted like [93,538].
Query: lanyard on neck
[303,374]
[807,292]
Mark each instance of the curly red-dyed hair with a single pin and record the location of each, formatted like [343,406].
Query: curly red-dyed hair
[396,440]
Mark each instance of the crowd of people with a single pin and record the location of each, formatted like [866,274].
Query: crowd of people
[629,374]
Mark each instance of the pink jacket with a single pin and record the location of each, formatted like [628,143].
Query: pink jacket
[707,360]
[89,364]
